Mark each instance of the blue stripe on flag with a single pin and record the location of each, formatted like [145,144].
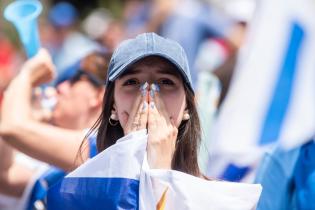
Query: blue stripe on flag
[234,173]
[283,89]
[94,193]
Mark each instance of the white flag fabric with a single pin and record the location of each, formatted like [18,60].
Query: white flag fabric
[186,192]
[108,181]
[272,94]
[119,178]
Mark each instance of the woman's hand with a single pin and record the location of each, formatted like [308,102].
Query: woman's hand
[16,107]
[162,133]
[138,117]
[39,69]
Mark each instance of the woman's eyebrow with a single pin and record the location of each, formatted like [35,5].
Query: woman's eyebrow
[130,71]
[170,71]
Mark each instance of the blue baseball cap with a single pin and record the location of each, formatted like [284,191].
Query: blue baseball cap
[96,72]
[144,45]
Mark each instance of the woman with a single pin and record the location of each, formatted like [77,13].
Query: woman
[148,121]
[79,94]
[169,114]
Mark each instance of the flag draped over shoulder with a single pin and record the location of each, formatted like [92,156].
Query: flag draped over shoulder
[120,178]
[108,181]
[272,94]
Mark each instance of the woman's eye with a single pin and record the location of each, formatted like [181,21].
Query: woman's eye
[166,82]
[130,82]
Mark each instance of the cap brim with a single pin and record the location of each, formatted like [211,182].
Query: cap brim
[125,67]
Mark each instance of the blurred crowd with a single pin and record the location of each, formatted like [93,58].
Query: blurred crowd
[192,23]
[58,115]
[46,125]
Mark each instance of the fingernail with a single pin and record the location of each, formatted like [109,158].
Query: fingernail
[152,105]
[155,87]
[143,92]
[145,106]
[152,93]
[143,88]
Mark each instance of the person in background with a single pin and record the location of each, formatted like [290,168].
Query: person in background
[79,99]
[100,26]
[63,17]
[188,22]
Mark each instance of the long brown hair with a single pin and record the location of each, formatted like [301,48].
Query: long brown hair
[185,157]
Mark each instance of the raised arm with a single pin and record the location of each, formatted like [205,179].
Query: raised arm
[13,176]
[39,140]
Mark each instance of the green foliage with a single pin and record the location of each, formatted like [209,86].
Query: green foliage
[6,28]
[115,6]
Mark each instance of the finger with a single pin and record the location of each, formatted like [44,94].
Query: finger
[155,96]
[133,113]
[155,119]
[152,117]
[144,113]
[174,131]
[137,119]
[140,120]
[125,117]
[40,67]
[37,92]
[43,58]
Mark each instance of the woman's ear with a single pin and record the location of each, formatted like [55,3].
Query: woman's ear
[114,115]
[186,115]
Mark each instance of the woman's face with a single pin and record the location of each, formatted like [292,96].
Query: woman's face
[152,70]
[74,101]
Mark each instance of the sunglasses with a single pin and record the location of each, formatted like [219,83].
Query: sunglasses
[91,77]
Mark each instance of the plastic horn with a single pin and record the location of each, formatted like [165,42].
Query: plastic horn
[23,14]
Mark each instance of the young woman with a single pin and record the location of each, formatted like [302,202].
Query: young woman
[148,121]
[79,103]
[165,106]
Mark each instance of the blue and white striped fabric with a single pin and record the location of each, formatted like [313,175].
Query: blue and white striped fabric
[50,178]
[271,98]
[108,181]
[120,178]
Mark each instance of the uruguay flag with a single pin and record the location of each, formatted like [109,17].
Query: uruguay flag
[272,94]
[120,178]
[108,181]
